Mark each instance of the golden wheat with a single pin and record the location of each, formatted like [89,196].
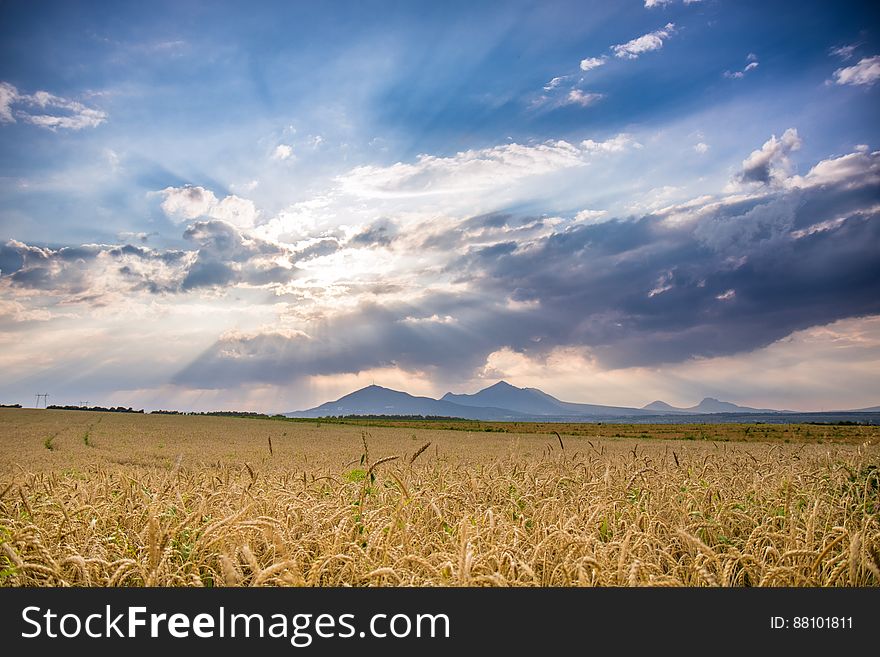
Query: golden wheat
[198,501]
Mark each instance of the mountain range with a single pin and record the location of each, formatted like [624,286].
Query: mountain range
[708,405]
[503,401]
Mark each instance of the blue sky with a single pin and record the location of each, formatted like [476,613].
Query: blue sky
[264,205]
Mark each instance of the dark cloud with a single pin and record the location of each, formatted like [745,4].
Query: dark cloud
[64,269]
[372,336]
[227,256]
[483,228]
[497,250]
[640,292]
[35,277]
[223,256]
[225,240]
[380,233]
[208,273]
[168,257]
[318,249]
[491,220]
[771,159]
[74,253]
[11,259]
[443,241]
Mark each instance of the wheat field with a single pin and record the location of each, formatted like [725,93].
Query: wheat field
[105,499]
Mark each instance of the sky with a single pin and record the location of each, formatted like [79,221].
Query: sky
[266,205]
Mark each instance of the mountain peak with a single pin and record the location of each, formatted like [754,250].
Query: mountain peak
[501,385]
[372,388]
[659,405]
[712,405]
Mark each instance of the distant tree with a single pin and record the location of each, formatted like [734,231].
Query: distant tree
[100,409]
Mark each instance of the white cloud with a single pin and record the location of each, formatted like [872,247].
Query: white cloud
[235,210]
[15,311]
[8,95]
[112,158]
[645,43]
[770,163]
[87,118]
[860,168]
[461,184]
[616,144]
[433,319]
[466,170]
[282,152]
[589,216]
[844,52]
[752,64]
[822,226]
[47,110]
[555,98]
[191,202]
[299,221]
[187,202]
[249,186]
[664,284]
[656,199]
[140,236]
[590,63]
[650,4]
[555,82]
[578,97]
[866,72]
[701,148]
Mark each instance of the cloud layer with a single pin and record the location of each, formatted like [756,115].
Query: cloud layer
[464,171]
[865,73]
[98,273]
[46,110]
[712,277]
[649,42]
[189,202]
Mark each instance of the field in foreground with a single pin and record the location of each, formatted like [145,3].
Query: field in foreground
[115,499]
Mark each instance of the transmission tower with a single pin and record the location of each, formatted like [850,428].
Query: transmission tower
[45,397]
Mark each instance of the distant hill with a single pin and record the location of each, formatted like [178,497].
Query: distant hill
[870,409]
[708,405]
[662,407]
[532,401]
[376,400]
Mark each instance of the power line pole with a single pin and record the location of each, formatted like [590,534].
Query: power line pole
[45,397]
